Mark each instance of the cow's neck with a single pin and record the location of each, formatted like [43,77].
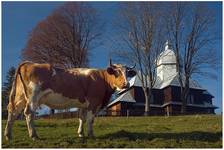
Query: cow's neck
[109,79]
[110,89]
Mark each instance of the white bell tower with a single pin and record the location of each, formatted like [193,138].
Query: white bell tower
[166,64]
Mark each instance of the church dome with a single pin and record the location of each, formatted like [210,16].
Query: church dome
[167,56]
[166,64]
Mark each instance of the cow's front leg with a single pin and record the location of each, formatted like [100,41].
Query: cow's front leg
[90,120]
[82,119]
[30,123]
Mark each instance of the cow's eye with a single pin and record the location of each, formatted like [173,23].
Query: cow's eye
[116,73]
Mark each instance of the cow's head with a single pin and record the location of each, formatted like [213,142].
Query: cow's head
[120,74]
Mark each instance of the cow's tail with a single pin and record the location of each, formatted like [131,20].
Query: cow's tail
[11,105]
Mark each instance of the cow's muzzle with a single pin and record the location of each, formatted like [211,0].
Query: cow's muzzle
[126,85]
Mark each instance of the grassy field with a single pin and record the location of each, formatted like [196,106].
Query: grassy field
[200,131]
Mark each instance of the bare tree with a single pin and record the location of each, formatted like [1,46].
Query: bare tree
[141,32]
[190,28]
[65,37]
[175,27]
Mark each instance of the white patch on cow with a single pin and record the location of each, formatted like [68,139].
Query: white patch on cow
[117,88]
[90,115]
[31,84]
[83,71]
[33,100]
[44,93]
[54,72]
[80,129]
[58,101]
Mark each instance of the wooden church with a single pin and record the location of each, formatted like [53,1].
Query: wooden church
[166,93]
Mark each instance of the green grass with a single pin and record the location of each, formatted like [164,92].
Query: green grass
[200,131]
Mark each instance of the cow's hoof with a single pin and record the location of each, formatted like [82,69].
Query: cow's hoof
[81,135]
[8,138]
[91,136]
[34,138]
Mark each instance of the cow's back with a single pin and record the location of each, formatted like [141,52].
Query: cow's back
[33,72]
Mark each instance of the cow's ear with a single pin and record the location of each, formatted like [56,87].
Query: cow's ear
[131,73]
[110,70]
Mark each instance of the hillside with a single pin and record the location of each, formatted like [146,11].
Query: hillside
[199,131]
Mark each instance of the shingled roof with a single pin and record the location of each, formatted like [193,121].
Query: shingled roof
[125,97]
[160,84]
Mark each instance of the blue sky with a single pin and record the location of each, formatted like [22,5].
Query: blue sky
[19,18]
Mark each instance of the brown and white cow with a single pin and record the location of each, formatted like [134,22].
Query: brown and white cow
[87,89]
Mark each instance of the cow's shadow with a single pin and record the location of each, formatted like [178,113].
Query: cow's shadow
[195,135]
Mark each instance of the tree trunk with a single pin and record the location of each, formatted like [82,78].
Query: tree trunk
[52,112]
[148,96]
[183,108]
[146,103]
[185,96]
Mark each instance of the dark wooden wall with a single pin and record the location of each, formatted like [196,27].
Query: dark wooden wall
[168,94]
[139,96]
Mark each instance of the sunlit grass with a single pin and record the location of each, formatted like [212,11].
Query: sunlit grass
[200,131]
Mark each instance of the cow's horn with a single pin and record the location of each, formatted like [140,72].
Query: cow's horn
[110,62]
[132,67]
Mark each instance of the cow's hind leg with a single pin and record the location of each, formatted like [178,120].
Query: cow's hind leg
[29,114]
[30,109]
[82,119]
[13,112]
[90,120]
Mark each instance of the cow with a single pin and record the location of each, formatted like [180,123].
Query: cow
[87,89]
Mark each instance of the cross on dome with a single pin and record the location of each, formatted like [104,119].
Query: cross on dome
[167,45]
